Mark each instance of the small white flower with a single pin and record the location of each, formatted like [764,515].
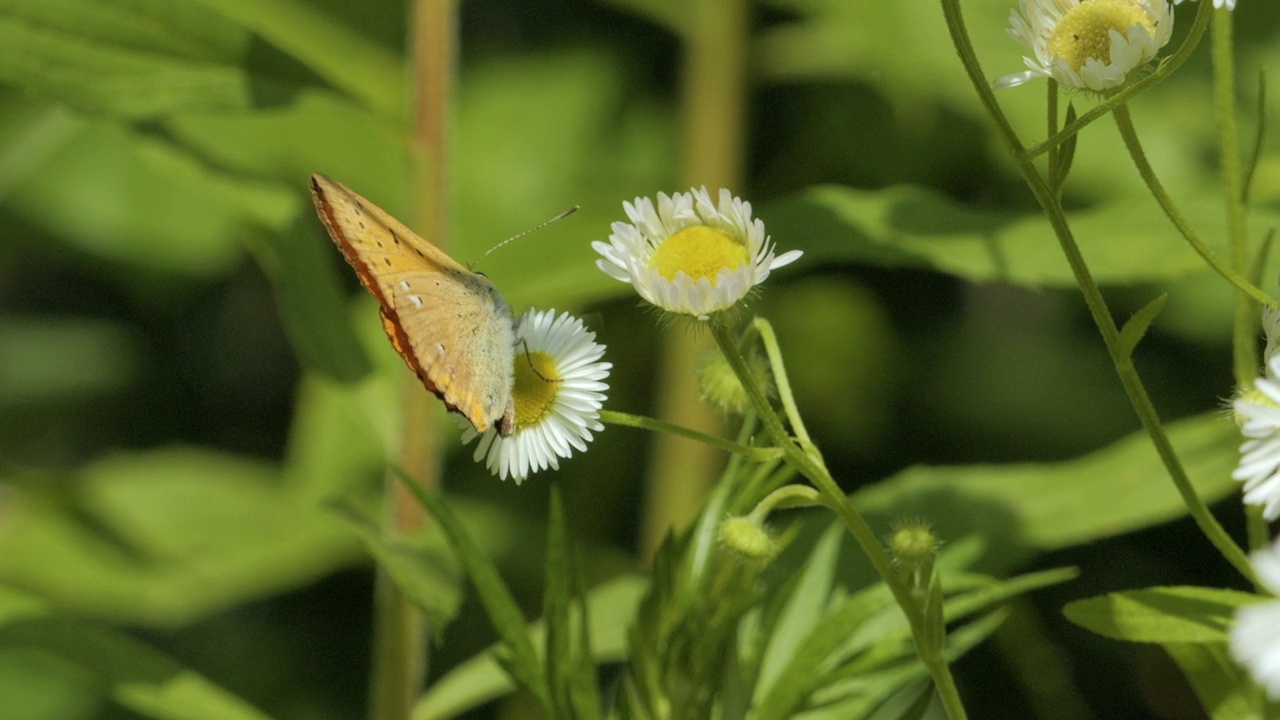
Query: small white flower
[1259,415]
[559,390]
[1088,44]
[1230,4]
[1270,329]
[689,255]
[1255,634]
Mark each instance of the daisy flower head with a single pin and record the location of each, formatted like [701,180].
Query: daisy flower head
[1088,44]
[1255,634]
[689,255]
[1258,412]
[559,390]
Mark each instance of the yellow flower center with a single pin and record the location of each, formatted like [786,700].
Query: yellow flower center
[535,388]
[699,251]
[1084,32]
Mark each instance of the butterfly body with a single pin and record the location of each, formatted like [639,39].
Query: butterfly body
[449,324]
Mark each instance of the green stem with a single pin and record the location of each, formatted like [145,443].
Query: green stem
[1124,121]
[770,340]
[1164,70]
[1097,306]
[758,454]
[787,496]
[1245,325]
[817,473]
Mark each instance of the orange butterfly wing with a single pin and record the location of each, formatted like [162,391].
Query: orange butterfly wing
[449,324]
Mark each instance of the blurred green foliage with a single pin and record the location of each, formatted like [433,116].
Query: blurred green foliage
[188,378]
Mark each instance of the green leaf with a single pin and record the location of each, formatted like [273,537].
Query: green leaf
[555,609]
[163,537]
[913,227]
[1027,507]
[523,662]
[134,675]
[1225,690]
[806,608]
[131,60]
[349,62]
[1161,614]
[421,566]
[480,679]
[312,303]
[1136,326]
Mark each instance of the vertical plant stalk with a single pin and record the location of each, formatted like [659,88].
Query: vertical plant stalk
[400,631]
[811,466]
[1093,299]
[1245,326]
[713,118]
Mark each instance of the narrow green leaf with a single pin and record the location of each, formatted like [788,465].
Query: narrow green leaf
[555,609]
[134,675]
[349,62]
[585,689]
[1137,325]
[421,567]
[1251,165]
[499,604]
[479,679]
[1225,690]
[805,610]
[1161,614]
[312,304]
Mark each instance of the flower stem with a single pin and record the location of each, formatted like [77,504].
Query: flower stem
[1124,121]
[770,340]
[1244,326]
[812,468]
[1094,301]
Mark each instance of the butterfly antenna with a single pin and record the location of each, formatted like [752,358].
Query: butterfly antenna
[519,235]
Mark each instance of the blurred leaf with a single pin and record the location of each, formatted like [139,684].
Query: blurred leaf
[312,303]
[136,60]
[318,132]
[670,14]
[166,536]
[1225,690]
[421,566]
[134,675]
[1047,506]
[47,359]
[34,686]
[478,680]
[1161,614]
[348,61]
[504,614]
[143,202]
[1125,241]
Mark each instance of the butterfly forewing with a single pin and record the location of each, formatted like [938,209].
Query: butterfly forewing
[448,323]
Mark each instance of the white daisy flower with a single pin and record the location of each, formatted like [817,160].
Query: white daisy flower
[1259,415]
[1255,634]
[1229,4]
[1270,329]
[1088,44]
[690,256]
[559,390]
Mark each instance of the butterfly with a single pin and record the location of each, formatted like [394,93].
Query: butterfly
[450,324]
